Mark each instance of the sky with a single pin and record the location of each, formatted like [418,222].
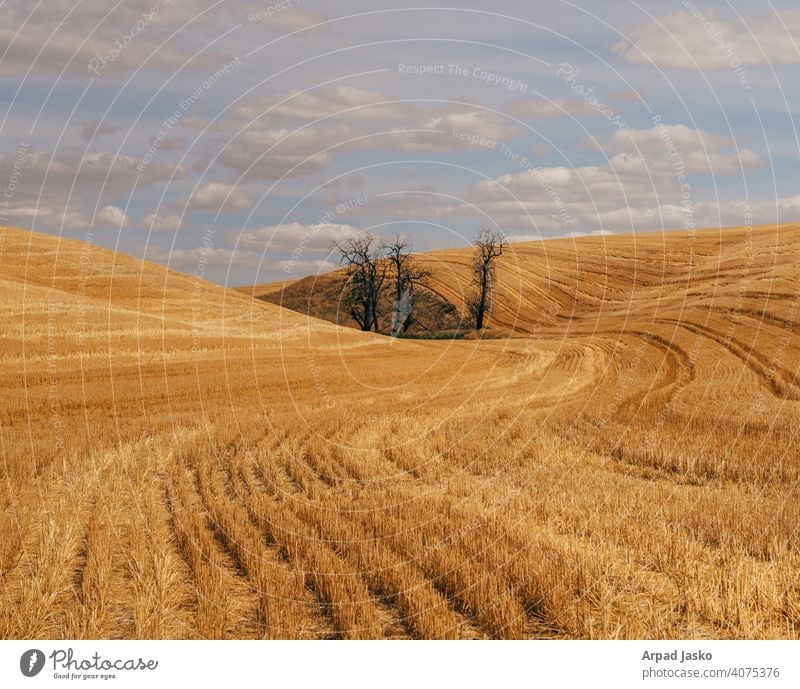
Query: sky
[237,140]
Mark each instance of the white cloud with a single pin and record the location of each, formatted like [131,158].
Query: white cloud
[648,141]
[48,218]
[208,257]
[299,106]
[564,199]
[161,223]
[294,235]
[489,125]
[270,154]
[551,109]
[113,215]
[593,200]
[420,202]
[306,267]
[639,187]
[63,34]
[61,190]
[780,210]
[682,40]
[88,170]
[217,196]
[668,148]
[273,139]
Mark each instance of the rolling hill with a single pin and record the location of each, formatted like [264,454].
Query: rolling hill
[181,460]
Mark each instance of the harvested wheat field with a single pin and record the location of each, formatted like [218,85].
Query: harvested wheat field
[620,459]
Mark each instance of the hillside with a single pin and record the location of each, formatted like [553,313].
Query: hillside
[182,460]
[584,279]
[321,296]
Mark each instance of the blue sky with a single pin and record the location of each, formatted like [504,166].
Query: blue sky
[237,139]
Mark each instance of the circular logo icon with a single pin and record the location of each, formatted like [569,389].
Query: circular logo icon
[31,662]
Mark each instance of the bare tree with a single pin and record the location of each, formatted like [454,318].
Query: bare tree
[407,274]
[489,244]
[366,274]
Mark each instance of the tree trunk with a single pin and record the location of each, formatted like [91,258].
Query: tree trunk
[480,312]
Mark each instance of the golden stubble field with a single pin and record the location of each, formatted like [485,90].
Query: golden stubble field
[183,461]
